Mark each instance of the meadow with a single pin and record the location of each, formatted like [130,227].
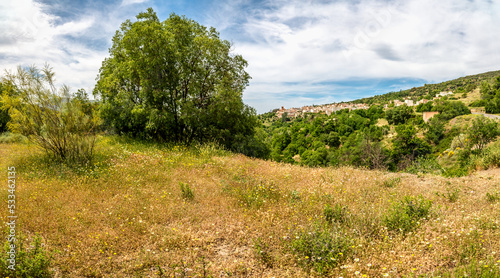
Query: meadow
[152,210]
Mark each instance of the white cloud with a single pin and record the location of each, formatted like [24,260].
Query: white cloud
[74,28]
[299,41]
[130,2]
[34,38]
[75,47]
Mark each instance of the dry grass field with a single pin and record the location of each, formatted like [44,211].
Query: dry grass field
[156,211]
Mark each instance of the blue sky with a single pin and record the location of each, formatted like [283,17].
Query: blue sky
[299,52]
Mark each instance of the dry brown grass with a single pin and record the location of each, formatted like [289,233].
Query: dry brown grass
[471,97]
[126,218]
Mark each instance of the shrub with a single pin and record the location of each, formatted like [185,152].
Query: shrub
[425,166]
[391,182]
[399,115]
[455,171]
[478,103]
[50,118]
[491,156]
[295,196]
[30,262]
[405,216]
[450,109]
[493,197]
[451,194]
[406,143]
[321,249]
[9,137]
[482,131]
[186,192]
[336,214]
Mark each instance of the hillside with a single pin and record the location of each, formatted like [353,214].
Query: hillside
[394,131]
[150,210]
[459,86]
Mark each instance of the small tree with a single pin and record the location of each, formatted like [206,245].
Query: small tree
[49,117]
[482,131]
[399,115]
[435,130]
[407,146]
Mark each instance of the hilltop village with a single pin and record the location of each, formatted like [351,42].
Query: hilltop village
[334,107]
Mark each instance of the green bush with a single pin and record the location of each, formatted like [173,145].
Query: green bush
[451,194]
[493,197]
[399,115]
[9,137]
[30,262]
[425,166]
[391,182]
[455,171]
[321,249]
[478,103]
[186,192]
[449,109]
[295,196]
[491,156]
[482,131]
[336,213]
[406,215]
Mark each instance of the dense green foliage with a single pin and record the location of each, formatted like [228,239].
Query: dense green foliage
[490,94]
[175,81]
[424,107]
[32,259]
[406,215]
[341,138]
[360,138]
[450,109]
[399,115]
[407,146]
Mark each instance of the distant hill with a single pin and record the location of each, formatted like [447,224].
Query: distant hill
[460,85]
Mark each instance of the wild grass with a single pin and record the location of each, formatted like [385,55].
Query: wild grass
[126,216]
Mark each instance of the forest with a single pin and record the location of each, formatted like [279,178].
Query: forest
[394,138]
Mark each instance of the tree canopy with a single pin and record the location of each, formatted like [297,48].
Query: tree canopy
[174,80]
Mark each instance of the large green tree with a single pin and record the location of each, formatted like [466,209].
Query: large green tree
[174,80]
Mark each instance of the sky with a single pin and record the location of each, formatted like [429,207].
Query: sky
[299,52]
